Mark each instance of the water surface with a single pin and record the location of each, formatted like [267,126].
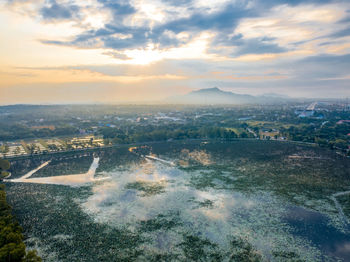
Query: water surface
[211,201]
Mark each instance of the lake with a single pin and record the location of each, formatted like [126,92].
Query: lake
[187,201]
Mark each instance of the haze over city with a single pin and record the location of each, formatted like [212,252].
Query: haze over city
[101,51]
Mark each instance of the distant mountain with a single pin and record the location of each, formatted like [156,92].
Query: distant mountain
[217,96]
[275,95]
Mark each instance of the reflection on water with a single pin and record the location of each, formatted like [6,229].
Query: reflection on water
[211,194]
[256,217]
[315,227]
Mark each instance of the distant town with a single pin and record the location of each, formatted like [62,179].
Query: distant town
[43,146]
[51,129]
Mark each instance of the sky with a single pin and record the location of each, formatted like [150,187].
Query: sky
[104,51]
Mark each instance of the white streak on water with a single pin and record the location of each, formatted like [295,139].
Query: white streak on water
[160,160]
[341,193]
[30,173]
[338,205]
[68,180]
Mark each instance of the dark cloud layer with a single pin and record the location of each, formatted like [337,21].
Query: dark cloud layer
[57,11]
[118,7]
[341,33]
[223,22]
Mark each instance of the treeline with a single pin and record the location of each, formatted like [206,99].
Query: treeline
[162,133]
[12,247]
[15,132]
[329,134]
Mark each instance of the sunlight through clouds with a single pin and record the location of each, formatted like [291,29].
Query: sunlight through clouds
[227,34]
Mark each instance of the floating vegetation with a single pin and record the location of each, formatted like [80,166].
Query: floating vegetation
[65,166]
[206,203]
[212,179]
[160,222]
[286,256]
[147,188]
[243,251]
[196,156]
[344,201]
[198,249]
[223,201]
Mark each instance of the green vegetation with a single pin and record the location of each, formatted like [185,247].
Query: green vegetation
[248,166]
[243,251]
[345,203]
[67,233]
[206,203]
[198,249]
[231,197]
[163,133]
[229,201]
[160,222]
[12,248]
[286,256]
[147,188]
[330,134]
[66,165]
[133,124]
[4,166]
[211,178]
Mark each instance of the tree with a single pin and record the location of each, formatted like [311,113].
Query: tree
[12,248]
[340,143]
[52,147]
[31,148]
[4,165]
[12,252]
[32,256]
[321,141]
[243,135]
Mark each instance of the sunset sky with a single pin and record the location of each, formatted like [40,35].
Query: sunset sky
[68,51]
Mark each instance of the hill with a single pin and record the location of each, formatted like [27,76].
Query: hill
[217,96]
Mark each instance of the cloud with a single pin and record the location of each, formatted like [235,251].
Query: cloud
[264,27]
[166,24]
[117,55]
[259,47]
[223,20]
[55,11]
[165,35]
[255,46]
[177,2]
[341,33]
[285,44]
[118,7]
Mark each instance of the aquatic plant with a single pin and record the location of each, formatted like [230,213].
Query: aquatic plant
[237,207]
[147,188]
[344,201]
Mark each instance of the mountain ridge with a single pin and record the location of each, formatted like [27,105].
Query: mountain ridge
[215,95]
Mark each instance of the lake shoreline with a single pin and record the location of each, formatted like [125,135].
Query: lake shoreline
[160,141]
